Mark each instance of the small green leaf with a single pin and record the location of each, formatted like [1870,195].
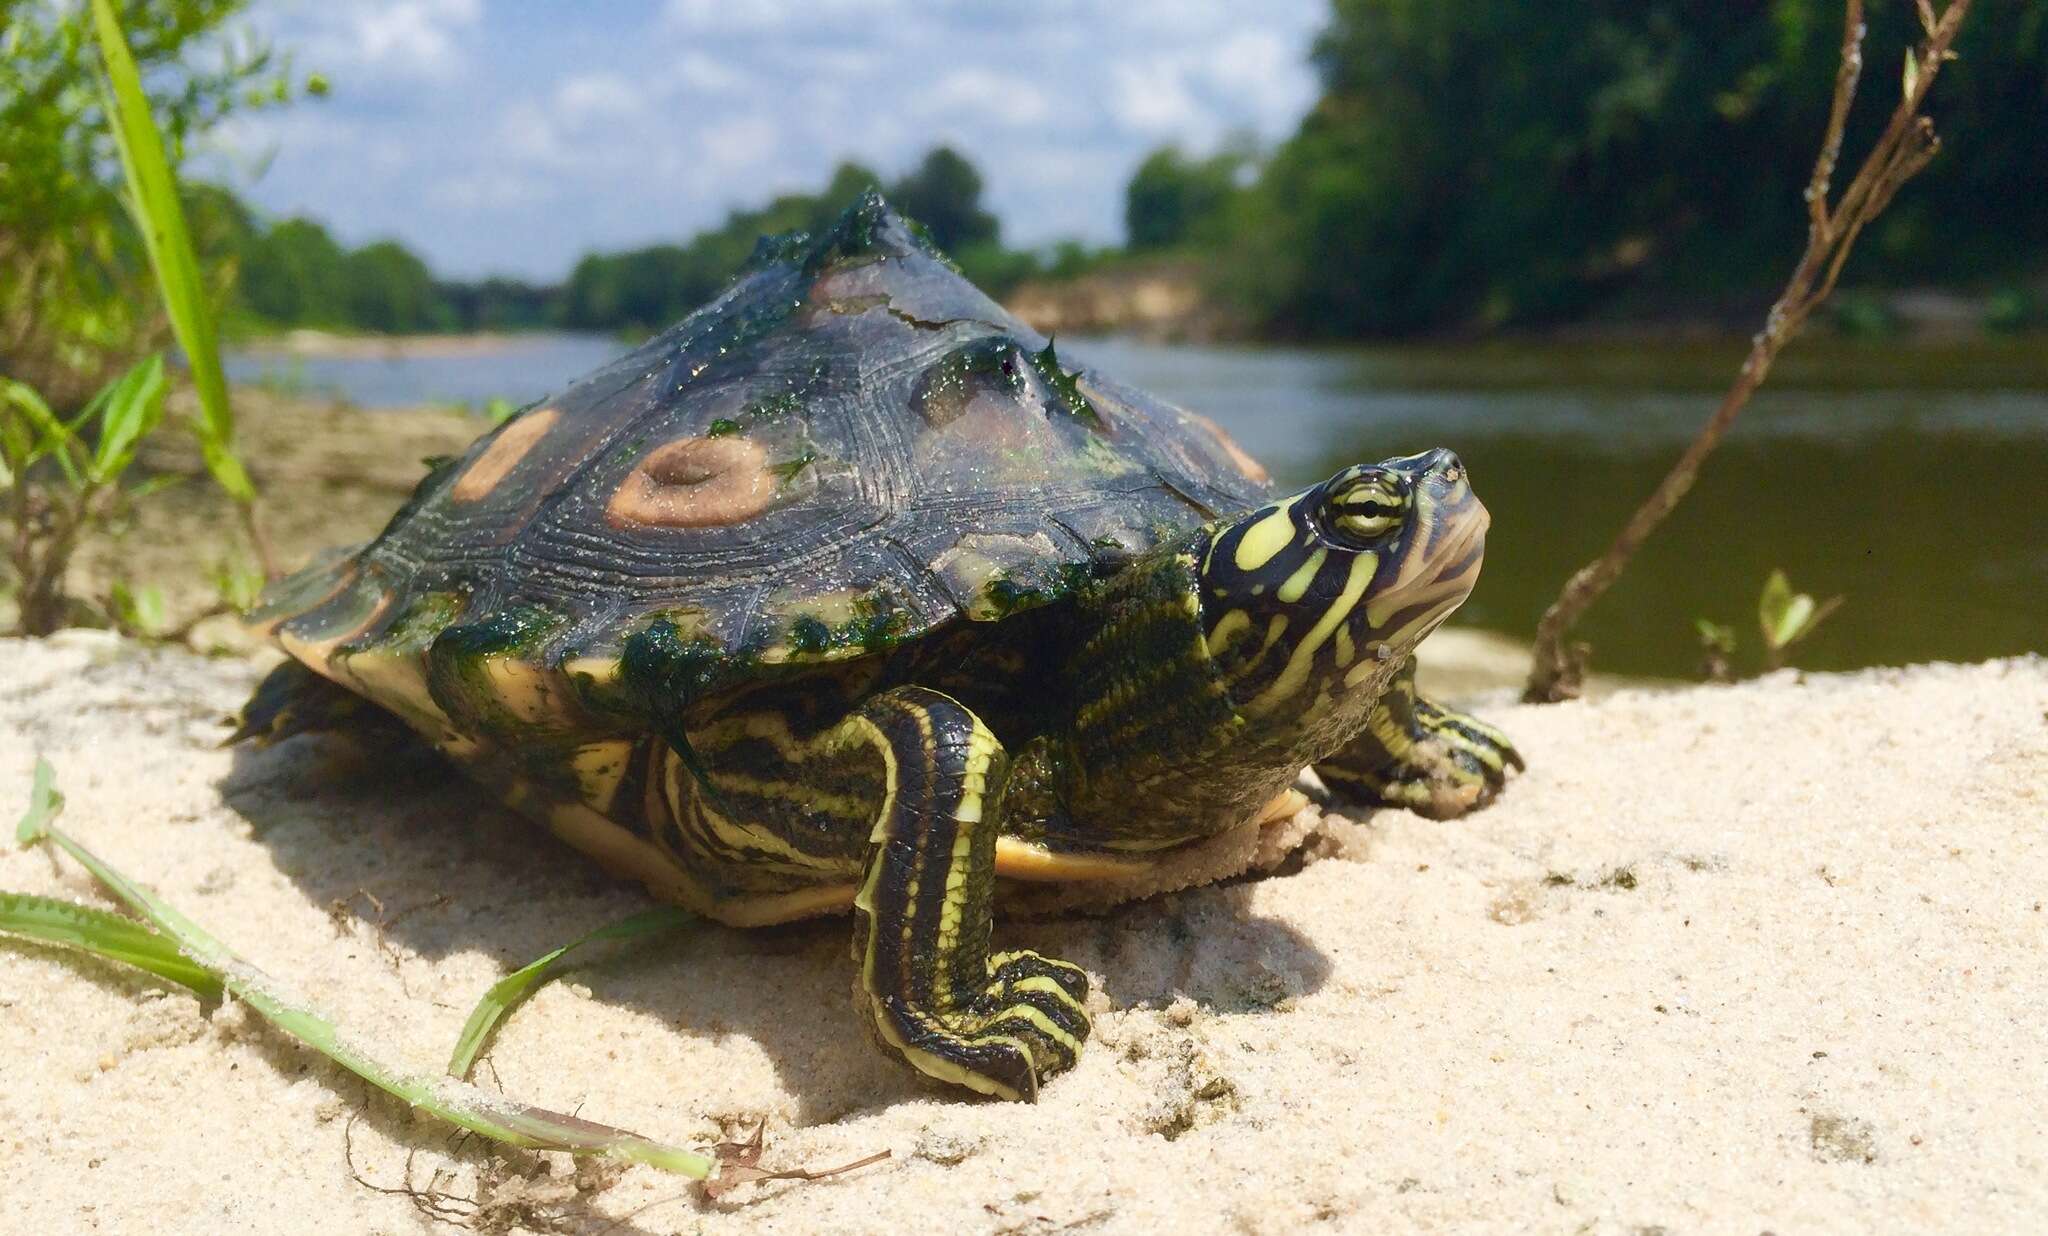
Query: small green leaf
[137,611]
[1771,607]
[519,984]
[1786,617]
[1715,636]
[1793,621]
[1910,77]
[133,406]
[238,584]
[49,436]
[45,804]
[108,935]
[316,85]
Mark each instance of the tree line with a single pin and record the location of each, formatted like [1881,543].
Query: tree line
[1469,165]
[293,273]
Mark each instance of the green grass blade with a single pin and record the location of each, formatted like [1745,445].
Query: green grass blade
[109,935]
[516,986]
[45,803]
[448,1098]
[153,198]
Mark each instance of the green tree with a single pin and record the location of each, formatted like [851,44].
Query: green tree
[386,287]
[944,193]
[1478,161]
[291,275]
[498,304]
[1173,199]
[75,294]
[646,289]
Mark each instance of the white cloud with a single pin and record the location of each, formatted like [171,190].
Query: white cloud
[1259,71]
[418,35]
[1003,97]
[778,16]
[1152,98]
[697,71]
[515,137]
[375,40]
[605,95]
[737,144]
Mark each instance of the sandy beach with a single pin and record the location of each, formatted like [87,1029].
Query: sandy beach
[1724,960]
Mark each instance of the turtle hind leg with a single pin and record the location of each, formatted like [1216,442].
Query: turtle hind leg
[1421,755]
[292,699]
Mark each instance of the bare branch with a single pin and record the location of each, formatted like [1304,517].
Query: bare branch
[1905,146]
[1846,75]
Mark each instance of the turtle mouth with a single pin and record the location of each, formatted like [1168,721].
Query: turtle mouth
[1440,566]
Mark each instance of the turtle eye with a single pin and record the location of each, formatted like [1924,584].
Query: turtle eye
[1366,508]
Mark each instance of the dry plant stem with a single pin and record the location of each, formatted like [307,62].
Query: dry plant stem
[40,562]
[1905,146]
[259,541]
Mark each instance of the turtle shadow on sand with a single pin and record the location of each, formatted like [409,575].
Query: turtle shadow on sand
[447,866]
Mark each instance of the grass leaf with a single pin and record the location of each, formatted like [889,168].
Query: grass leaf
[45,804]
[109,935]
[153,199]
[134,406]
[519,984]
[51,436]
[450,1099]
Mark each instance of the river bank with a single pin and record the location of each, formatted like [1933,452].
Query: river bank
[1173,300]
[1722,960]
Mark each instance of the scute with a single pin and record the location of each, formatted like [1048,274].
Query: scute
[848,448]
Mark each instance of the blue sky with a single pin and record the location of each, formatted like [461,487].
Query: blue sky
[513,137]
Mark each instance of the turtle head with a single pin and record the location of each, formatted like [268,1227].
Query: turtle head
[1310,602]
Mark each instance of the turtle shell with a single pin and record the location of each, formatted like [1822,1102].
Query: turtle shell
[851,447]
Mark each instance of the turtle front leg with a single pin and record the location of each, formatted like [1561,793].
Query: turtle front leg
[1421,756]
[929,986]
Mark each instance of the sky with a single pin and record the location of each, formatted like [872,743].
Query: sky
[513,137]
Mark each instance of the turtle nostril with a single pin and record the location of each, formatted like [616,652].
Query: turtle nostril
[1446,464]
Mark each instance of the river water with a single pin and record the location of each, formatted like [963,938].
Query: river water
[1911,479]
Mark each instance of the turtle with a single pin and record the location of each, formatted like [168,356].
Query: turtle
[848,592]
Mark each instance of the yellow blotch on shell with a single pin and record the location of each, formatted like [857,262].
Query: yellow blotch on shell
[600,767]
[521,688]
[695,483]
[397,679]
[511,445]
[317,648]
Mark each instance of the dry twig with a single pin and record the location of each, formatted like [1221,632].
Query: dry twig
[1901,150]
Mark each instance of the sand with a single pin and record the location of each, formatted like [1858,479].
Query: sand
[1724,960]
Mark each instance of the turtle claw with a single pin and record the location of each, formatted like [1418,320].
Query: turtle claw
[1419,755]
[1454,764]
